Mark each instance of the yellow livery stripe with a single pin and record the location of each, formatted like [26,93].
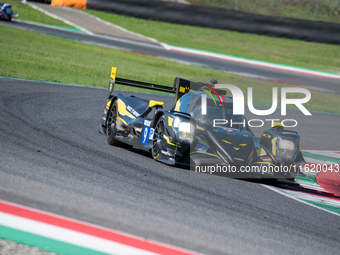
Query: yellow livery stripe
[168,141]
[113,74]
[170,120]
[108,104]
[122,109]
[153,103]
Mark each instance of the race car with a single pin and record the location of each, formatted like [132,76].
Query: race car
[6,12]
[189,135]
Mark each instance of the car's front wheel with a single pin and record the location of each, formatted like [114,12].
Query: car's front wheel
[158,138]
[111,125]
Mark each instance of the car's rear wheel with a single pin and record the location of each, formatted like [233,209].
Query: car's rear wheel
[158,138]
[111,126]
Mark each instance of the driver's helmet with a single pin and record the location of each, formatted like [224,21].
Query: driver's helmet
[183,103]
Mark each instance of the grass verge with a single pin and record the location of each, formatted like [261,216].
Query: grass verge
[318,56]
[301,9]
[28,13]
[29,55]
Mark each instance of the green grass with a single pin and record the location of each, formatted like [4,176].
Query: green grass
[29,55]
[318,56]
[28,13]
[329,10]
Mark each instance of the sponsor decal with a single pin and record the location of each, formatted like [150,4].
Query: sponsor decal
[133,111]
[201,147]
[151,133]
[147,133]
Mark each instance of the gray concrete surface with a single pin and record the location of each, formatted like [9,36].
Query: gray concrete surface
[89,22]
[212,215]
[53,158]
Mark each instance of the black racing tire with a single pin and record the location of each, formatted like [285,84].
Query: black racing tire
[158,140]
[111,128]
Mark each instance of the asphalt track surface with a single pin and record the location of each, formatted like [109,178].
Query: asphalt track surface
[312,82]
[53,158]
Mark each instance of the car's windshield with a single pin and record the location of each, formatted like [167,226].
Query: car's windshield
[218,116]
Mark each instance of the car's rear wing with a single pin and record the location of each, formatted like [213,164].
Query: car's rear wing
[138,84]
[180,87]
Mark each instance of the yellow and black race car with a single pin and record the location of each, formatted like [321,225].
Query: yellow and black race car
[198,131]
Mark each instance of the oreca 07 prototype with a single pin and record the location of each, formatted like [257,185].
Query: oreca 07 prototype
[187,135]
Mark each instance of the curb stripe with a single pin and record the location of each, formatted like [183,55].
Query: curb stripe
[332,154]
[312,161]
[313,186]
[307,178]
[311,192]
[68,236]
[89,229]
[320,157]
[254,62]
[44,243]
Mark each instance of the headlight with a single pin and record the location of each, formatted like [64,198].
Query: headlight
[177,121]
[286,145]
[287,149]
[185,131]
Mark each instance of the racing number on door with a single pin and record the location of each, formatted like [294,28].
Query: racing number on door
[145,136]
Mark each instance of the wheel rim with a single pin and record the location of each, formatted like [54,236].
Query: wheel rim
[111,122]
[158,138]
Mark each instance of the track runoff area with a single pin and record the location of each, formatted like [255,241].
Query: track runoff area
[319,187]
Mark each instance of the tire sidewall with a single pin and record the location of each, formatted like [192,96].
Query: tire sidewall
[111,138]
[156,155]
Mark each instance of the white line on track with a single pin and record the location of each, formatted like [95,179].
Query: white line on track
[297,199]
